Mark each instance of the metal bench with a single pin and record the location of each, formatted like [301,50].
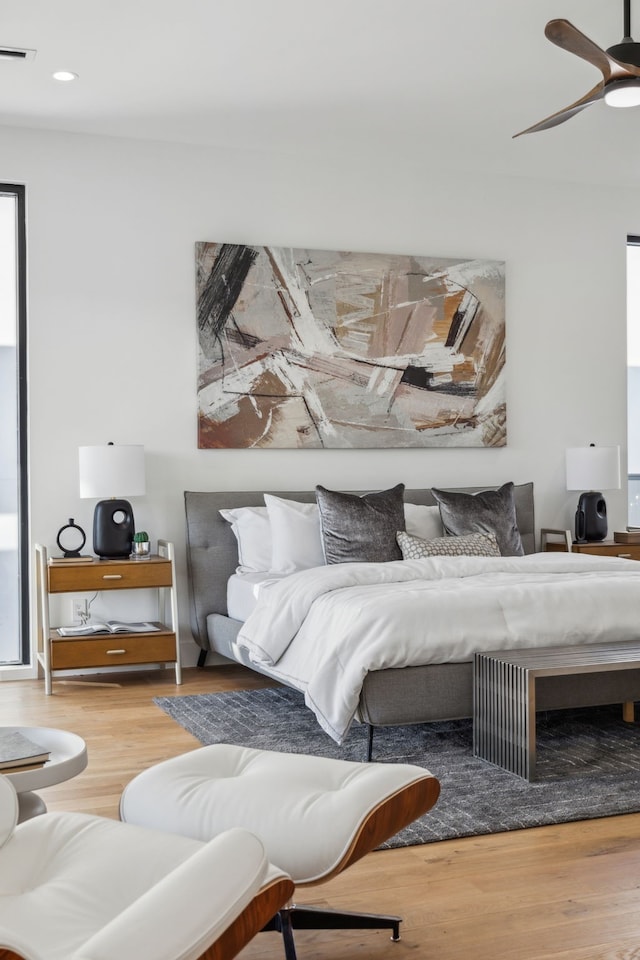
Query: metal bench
[506,694]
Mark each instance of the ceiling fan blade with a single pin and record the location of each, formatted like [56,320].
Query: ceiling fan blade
[596,94]
[569,38]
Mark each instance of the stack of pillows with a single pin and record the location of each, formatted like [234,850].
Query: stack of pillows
[285,536]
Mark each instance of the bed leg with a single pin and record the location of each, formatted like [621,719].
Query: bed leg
[202,656]
[369,741]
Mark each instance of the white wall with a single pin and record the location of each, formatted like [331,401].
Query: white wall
[111,232]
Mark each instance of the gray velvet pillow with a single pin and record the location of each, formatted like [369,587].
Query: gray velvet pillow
[490,511]
[361,529]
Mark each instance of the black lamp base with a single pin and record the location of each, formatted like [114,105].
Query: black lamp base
[113,529]
[591,517]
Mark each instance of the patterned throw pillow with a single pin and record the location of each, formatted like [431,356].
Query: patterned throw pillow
[474,545]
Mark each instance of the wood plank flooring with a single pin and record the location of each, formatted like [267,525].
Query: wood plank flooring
[566,892]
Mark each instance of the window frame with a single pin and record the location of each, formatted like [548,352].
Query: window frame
[18,191]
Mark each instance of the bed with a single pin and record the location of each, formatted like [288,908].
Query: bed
[388,696]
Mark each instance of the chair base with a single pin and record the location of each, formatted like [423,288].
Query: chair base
[298,917]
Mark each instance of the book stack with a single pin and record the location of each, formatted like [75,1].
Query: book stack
[626,536]
[83,558]
[18,752]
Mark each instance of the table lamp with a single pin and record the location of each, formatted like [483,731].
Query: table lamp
[592,469]
[112,471]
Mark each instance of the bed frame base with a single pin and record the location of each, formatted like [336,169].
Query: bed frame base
[369,741]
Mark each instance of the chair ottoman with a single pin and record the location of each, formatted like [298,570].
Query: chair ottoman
[314,815]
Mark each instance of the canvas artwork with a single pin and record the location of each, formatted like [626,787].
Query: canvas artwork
[318,349]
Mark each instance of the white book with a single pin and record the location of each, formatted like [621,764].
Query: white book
[84,558]
[109,626]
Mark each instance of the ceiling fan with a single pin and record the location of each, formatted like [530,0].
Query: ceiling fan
[619,65]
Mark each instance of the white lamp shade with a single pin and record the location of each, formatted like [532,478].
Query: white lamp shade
[112,470]
[593,468]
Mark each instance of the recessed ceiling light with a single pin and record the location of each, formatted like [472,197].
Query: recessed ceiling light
[65,76]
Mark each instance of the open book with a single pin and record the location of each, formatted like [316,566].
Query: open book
[109,626]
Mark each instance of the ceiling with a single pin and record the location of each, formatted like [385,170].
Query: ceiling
[426,82]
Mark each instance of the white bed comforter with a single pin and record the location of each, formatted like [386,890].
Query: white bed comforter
[323,630]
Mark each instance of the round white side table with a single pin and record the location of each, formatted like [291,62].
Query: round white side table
[68,758]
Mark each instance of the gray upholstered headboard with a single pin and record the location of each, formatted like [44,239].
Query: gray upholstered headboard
[212,554]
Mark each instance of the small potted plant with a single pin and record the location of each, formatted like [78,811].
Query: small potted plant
[141,547]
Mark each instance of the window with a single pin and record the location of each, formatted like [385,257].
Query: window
[14,560]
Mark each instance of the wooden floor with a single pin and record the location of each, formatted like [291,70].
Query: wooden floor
[568,892]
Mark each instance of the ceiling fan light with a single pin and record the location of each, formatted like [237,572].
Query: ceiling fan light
[623,93]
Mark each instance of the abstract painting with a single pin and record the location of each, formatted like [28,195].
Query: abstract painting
[318,349]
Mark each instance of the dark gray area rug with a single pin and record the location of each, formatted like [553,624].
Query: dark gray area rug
[588,761]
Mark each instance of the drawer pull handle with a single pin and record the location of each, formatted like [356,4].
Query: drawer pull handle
[112,576]
[110,652]
[625,556]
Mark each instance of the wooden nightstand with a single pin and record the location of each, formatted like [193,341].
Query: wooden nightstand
[108,650]
[599,548]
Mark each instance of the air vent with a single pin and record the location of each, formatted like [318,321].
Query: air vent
[16,53]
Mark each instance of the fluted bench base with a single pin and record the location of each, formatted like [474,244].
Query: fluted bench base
[506,689]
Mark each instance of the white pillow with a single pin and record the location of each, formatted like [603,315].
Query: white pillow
[296,541]
[253,532]
[424,522]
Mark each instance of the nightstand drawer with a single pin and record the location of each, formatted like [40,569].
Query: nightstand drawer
[112,651]
[629,550]
[602,548]
[109,575]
